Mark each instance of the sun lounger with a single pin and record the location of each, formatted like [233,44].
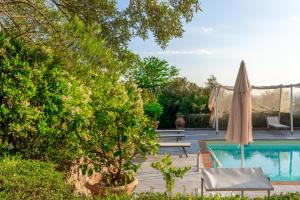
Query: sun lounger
[182,145]
[235,179]
[274,122]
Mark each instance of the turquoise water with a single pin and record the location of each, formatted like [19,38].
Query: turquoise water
[280,160]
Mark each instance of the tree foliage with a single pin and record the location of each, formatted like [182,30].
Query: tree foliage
[48,114]
[181,96]
[39,19]
[119,131]
[43,108]
[153,110]
[154,74]
[211,82]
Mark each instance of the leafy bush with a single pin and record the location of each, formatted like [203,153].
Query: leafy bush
[197,121]
[29,179]
[153,110]
[119,131]
[43,108]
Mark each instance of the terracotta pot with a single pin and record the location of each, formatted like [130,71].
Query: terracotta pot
[104,190]
[180,122]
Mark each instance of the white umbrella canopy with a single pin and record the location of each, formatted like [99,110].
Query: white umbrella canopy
[239,128]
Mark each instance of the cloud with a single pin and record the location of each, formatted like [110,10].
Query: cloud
[206,29]
[182,52]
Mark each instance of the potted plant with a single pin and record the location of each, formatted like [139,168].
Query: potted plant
[153,110]
[118,131]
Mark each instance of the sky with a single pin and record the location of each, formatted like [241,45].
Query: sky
[263,33]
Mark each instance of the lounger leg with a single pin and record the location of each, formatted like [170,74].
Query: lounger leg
[202,186]
[198,160]
[269,190]
[183,148]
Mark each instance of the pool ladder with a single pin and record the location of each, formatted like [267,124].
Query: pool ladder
[203,147]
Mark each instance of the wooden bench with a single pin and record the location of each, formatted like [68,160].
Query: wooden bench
[182,145]
[178,133]
[170,131]
[177,136]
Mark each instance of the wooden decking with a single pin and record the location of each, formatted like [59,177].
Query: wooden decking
[151,179]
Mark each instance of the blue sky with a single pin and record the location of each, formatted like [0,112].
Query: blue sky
[265,33]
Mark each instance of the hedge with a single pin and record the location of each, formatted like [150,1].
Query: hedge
[30,179]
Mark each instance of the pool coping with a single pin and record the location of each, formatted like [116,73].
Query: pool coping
[207,163]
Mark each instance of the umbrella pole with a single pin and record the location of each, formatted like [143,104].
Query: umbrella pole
[242,164]
[242,156]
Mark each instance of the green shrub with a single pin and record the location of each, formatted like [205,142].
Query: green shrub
[153,110]
[43,109]
[119,131]
[197,121]
[29,179]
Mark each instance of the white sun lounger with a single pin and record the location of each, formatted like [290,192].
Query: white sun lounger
[235,179]
[274,122]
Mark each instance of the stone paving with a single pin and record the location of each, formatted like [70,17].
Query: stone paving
[151,180]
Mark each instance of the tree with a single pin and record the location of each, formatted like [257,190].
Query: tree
[182,96]
[154,74]
[78,30]
[36,19]
[211,82]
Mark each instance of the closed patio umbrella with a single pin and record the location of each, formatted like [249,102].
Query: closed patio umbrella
[239,128]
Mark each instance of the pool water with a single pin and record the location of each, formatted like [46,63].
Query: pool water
[280,160]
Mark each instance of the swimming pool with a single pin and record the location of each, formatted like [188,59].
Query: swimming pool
[280,160]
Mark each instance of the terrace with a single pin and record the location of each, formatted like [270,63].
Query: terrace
[151,180]
[86,88]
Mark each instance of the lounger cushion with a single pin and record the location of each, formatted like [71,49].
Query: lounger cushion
[279,125]
[235,179]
